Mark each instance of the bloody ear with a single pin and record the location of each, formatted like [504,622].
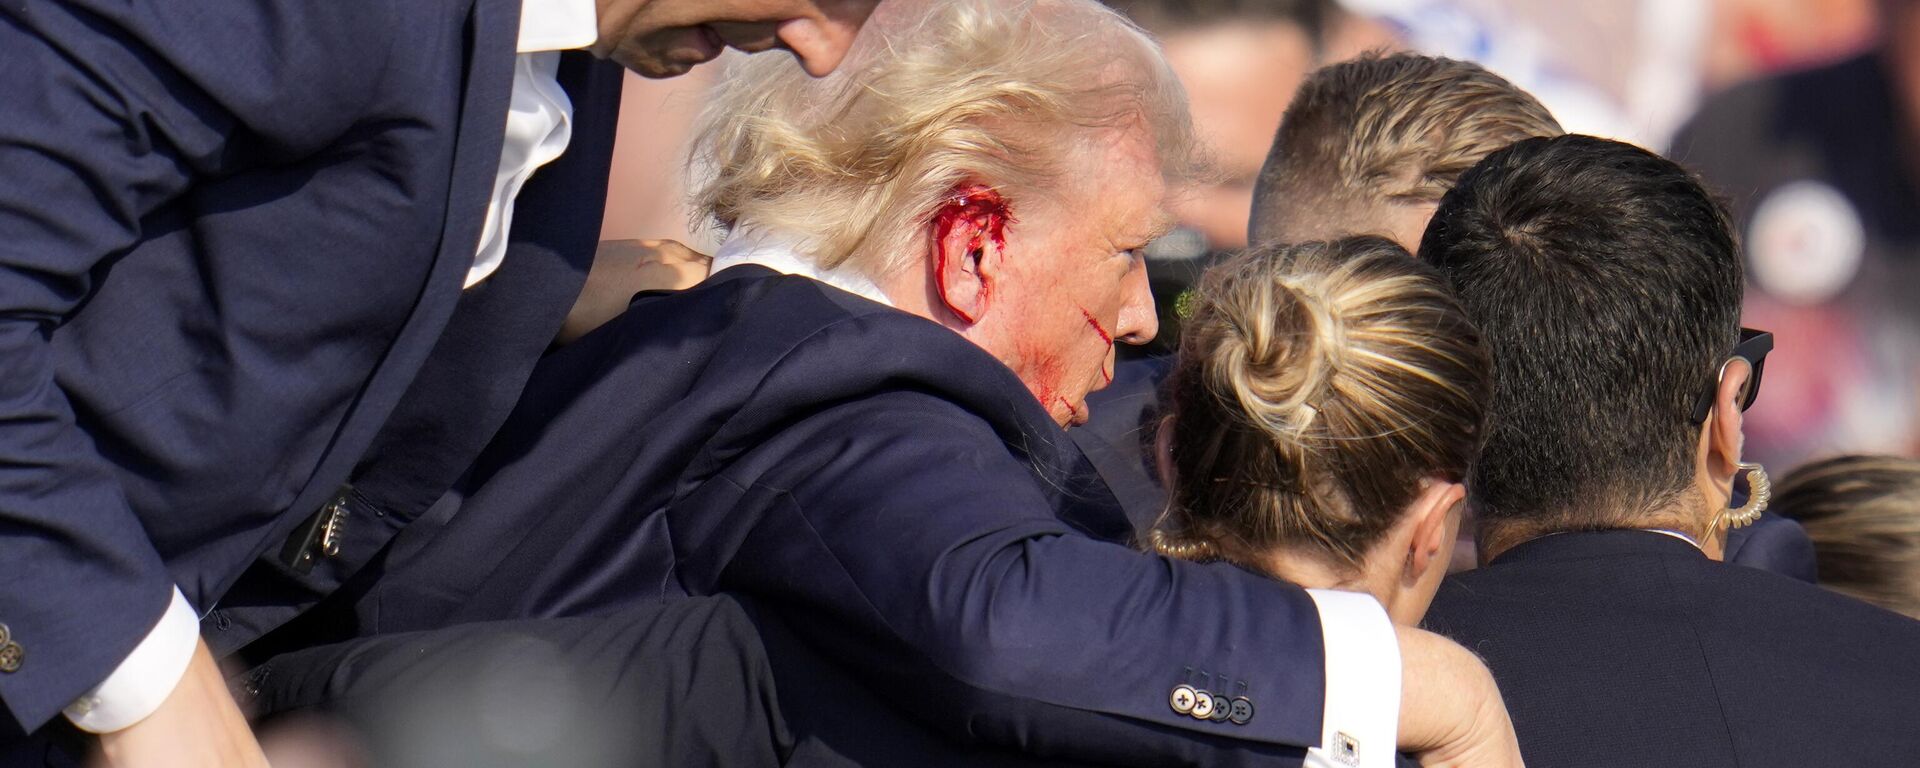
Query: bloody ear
[971,219]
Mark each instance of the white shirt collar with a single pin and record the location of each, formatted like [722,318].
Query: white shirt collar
[782,254]
[557,25]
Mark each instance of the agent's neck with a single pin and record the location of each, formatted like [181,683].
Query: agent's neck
[1496,537]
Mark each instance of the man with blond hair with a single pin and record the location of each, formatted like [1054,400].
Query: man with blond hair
[857,422]
[1369,146]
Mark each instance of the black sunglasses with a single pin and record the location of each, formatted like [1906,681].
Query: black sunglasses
[1753,348]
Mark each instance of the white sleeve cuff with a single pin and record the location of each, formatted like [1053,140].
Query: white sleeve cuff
[148,675]
[1360,727]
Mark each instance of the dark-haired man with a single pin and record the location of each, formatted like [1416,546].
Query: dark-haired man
[1607,284]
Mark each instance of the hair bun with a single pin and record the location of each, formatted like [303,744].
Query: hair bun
[1283,340]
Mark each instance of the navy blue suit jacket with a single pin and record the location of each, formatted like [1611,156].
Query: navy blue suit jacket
[1632,648]
[231,234]
[894,492]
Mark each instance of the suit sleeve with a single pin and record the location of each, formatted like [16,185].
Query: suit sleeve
[929,559]
[87,150]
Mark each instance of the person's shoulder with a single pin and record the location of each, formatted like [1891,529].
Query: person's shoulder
[1776,597]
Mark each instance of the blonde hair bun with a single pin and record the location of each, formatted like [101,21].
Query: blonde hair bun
[1317,385]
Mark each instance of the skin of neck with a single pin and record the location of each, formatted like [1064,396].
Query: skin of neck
[1402,570]
[1697,511]
[1691,512]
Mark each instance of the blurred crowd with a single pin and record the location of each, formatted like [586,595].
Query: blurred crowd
[1788,107]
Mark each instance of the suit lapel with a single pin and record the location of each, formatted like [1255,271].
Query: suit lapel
[492,29]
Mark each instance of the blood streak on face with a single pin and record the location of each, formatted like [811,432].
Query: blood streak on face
[985,213]
[1105,338]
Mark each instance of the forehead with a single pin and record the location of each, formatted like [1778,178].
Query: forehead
[1114,183]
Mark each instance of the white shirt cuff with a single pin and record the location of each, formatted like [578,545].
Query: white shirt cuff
[1360,727]
[148,675]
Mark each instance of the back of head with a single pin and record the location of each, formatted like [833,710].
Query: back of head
[1369,139]
[1606,282]
[1317,385]
[1863,514]
[933,95]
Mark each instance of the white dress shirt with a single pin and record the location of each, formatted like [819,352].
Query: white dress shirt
[781,253]
[1361,724]
[539,125]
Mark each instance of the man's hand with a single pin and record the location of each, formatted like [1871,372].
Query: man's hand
[622,268]
[198,725]
[1451,713]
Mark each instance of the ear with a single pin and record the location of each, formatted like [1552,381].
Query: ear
[1435,519]
[1163,452]
[821,42]
[969,235]
[1722,440]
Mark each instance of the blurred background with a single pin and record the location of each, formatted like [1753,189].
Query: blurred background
[1801,113]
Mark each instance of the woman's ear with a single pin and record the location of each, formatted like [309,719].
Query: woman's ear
[1435,517]
[1163,452]
[969,234]
[1723,439]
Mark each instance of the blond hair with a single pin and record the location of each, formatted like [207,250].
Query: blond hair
[1363,136]
[1863,514]
[1317,386]
[934,95]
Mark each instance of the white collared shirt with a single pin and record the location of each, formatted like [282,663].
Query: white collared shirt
[785,254]
[539,125]
[539,118]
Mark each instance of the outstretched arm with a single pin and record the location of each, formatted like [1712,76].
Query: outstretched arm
[939,567]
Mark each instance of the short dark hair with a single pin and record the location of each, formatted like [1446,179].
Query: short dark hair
[1166,17]
[1364,135]
[1606,282]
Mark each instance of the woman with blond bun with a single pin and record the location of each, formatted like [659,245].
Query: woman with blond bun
[1328,403]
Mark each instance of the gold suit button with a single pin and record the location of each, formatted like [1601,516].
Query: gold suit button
[1182,699]
[11,655]
[1202,706]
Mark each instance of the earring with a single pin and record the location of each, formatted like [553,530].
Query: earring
[1759,493]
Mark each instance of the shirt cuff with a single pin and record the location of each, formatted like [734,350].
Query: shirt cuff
[148,675]
[1360,727]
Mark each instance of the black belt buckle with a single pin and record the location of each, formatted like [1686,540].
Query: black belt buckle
[320,535]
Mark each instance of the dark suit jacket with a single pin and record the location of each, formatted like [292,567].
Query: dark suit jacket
[895,493]
[231,234]
[1119,433]
[1631,648]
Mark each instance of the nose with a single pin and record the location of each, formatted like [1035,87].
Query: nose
[1138,321]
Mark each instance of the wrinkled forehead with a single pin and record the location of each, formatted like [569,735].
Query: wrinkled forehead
[1111,180]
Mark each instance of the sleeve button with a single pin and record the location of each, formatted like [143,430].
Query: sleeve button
[1202,706]
[1182,699]
[1241,710]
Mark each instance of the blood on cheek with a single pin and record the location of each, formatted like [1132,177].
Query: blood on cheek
[1106,338]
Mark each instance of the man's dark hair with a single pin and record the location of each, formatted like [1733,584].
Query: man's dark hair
[1166,17]
[1607,285]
